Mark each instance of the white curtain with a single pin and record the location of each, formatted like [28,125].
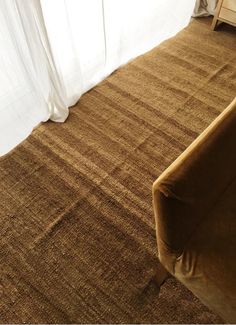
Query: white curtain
[52,51]
[30,88]
[204,8]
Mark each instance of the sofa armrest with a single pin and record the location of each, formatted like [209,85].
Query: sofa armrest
[190,187]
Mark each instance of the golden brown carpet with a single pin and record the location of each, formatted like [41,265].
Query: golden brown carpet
[77,229]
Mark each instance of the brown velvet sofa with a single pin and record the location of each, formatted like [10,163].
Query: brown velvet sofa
[195,211]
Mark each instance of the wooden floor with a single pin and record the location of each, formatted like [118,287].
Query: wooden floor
[77,233]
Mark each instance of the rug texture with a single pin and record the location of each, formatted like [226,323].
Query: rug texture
[77,232]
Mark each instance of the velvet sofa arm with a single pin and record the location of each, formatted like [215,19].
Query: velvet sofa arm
[189,188]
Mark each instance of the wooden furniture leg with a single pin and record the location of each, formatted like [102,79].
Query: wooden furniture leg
[216,16]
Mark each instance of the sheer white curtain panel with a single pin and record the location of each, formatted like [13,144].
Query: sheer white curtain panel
[52,51]
[30,89]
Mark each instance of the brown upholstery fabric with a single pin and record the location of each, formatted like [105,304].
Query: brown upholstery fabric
[195,208]
[77,233]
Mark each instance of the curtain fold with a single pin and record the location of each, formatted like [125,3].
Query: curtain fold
[47,77]
[30,89]
[204,8]
[51,52]
[77,40]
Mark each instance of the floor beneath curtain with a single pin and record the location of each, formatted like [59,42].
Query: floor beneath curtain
[76,222]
